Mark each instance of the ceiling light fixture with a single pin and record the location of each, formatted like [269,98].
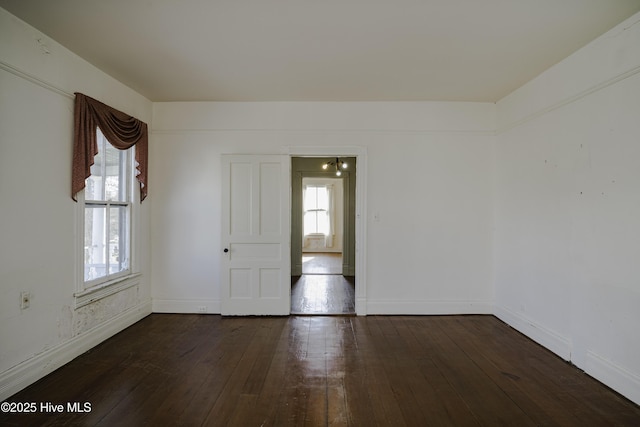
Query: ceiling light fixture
[339,164]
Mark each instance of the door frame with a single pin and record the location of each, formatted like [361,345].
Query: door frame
[360,153]
[311,169]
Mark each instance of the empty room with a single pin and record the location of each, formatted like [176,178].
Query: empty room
[320,213]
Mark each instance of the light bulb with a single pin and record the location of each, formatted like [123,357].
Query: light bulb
[325,166]
[338,173]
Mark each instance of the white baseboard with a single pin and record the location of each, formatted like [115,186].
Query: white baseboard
[618,378]
[430,307]
[31,370]
[361,306]
[614,376]
[546,337]
[194,306]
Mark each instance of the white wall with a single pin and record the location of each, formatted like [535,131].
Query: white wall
[567,219]
[38,217]
[428,183]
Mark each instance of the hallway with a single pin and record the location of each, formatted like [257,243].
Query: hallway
[322,290]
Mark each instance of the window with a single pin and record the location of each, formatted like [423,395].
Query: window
[107,215]
[316,210]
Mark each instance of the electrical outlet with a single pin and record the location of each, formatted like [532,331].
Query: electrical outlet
[202,309]
[25,300]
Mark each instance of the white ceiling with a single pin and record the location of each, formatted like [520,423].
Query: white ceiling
[323,50]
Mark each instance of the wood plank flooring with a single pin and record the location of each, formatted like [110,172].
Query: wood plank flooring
[321,263]
[196,370]
[323,294]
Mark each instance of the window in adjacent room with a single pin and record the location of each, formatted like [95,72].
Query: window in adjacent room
[316,210]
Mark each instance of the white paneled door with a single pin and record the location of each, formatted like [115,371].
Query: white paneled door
[256,273]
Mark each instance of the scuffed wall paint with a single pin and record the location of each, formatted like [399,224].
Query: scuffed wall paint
[94,314]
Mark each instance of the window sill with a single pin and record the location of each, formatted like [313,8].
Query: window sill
[105,289]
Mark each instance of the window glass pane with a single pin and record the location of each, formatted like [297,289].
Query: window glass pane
[322,223]
[316,222]
[115,168]
[316,198]
[108,180]
[118,239]
[309,198]
[322,198]
[95,261]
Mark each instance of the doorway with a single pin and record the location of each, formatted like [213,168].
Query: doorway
[323,236]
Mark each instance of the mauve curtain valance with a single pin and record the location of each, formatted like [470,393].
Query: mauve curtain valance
[120,129]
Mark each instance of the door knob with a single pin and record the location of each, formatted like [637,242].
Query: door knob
[226,250]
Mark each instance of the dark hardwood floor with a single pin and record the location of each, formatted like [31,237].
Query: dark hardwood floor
[196,370]
[322,290]
[323,294]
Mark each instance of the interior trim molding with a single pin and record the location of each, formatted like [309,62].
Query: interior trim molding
[428,307]
[104,290]
[187,306]
[552,340]
[327,131]
[36,80]
[569,100]
[42,364]
[614,376]
[361,303]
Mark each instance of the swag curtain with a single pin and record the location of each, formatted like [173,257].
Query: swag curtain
[120,129]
